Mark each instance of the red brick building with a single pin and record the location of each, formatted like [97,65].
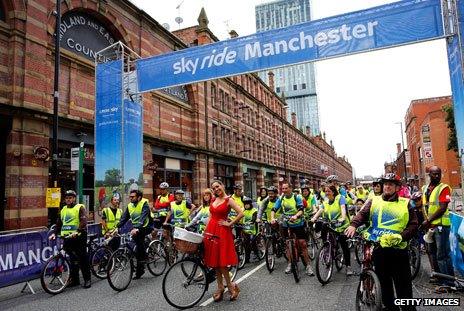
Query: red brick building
[232,128]
[427,137]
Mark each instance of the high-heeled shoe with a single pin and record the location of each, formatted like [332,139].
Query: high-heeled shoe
[234,291]
[218,295]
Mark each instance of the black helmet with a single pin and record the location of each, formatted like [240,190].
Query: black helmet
[377,181]
[273,189]
[247,200]
[392,177]
[70,193]
[263,187]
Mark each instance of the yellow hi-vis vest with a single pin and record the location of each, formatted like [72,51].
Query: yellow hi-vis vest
[238,200]
[388,217]
[180,213]
[70,219]
[433,204]
[111,219]
[334,211]
[135,212]
[249,227]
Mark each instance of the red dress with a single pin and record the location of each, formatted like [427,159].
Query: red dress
[219,252]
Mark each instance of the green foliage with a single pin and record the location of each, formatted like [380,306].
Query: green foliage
[452,138]
[112,177]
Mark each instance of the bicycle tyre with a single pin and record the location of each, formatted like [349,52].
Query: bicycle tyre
[63,265]
[312,248]
[414,260]
[359,252]
[99,261]
[294,262]
[240,249]
[156,258]
[261,245]
[120,260]
[339,259]
[324,261]
[197,277]
[364,297]
[269,255]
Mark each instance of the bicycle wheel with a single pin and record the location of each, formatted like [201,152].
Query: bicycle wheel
[156,258]
[261,245]
[414,260]
[359,252]
[312,248]
[369,294]
[269,255]
[339,260]
[120,269]
[182,291]
[240,249]
[99,261]
[55,274]
[324,264]
[294,261]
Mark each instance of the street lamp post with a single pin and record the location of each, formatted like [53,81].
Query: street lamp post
[284,140]
[56,95]
[404,150]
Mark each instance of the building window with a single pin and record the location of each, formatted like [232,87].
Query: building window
[225,173]
[278,89]
[214,136]
[226,103]
[180,178]
[2,13]
[221,100]
[213,95]
[303,86]
[223,142]
[295,87]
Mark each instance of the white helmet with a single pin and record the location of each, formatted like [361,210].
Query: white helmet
[164,185]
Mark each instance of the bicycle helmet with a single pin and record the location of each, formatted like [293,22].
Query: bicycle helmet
[332,178]
[392,177]
[416,196]
[247,200]
[164,185]
[272,189]
[70,193]
[237,186]
[305,187]
[179,191]
[376,181]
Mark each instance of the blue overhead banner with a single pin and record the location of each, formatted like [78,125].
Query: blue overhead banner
[380,27]
[457,242]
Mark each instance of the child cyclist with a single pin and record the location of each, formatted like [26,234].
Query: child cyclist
[250,228]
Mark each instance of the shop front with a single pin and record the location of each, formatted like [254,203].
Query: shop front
[224,171]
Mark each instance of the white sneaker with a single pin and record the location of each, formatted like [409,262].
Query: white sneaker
[349,271]
[288,269]
[309,271]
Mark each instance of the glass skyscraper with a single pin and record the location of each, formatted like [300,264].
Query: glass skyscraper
[297,82]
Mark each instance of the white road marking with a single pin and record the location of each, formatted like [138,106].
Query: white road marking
[210,300]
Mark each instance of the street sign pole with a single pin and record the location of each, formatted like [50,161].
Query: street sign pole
[81,173]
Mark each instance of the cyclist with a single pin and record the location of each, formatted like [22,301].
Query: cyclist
[377,188]
[292,206]
[179,210]
[162,204]
[202,217]
[138,212]
[335,209]
[332,180]
[359,204]
[237,196]
[250,228]
[72,224]
[311,203]
[436,197]
[110,218]
[268,204]
[361,193]
[392,222]
[262,194]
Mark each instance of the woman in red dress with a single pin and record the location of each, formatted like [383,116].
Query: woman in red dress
[220,252]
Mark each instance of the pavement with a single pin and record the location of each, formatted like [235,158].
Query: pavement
[260,290]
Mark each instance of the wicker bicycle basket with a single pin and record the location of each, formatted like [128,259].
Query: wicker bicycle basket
[186,246]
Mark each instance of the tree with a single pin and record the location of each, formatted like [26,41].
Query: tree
[112,177]
[452,137]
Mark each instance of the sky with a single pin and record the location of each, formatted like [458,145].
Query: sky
[361,97]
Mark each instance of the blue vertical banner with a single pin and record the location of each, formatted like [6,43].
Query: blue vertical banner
[457,242]
[133,145]
[108,132]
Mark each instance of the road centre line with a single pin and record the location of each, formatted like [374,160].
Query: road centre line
[210,300]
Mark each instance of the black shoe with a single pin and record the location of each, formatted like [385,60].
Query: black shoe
[73,282]
[87,284]
[138,275]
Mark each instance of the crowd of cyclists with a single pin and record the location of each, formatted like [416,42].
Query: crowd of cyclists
[386,211]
